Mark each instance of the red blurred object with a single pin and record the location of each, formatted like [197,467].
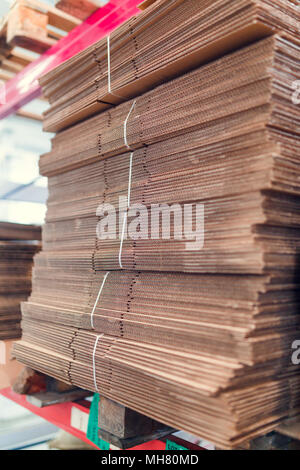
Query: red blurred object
[24,87]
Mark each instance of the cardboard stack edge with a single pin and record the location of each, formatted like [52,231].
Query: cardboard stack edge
[184,35]
[18,244]
[198,339]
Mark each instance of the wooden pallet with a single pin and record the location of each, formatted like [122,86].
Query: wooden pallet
[35,26]
[125,428]
[30,25]
[81,9]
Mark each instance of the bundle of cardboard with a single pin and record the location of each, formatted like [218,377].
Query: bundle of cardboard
[18,245]
[168,39]
[168,278]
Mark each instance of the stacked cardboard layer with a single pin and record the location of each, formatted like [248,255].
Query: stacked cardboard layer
[169,38]
[240,318]
[16,257]
[10,231]
[218,399]
[217,136]
[199,339]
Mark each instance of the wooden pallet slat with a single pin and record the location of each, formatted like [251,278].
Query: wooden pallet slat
[54,34]
[28,28]
[19,57]
[29,115]
[10,65]
[56,17]
[6,75]
[81,9]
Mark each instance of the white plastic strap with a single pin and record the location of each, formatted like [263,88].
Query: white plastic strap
[122,240]
[94,362]
[125,124]
[126,213]
[108,63]
[109,69]
[129,180]
[129,184]
[97,300]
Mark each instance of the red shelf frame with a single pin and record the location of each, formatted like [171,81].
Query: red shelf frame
[60,416]
[24,87]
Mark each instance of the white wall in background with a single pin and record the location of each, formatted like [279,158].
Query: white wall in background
[22,141]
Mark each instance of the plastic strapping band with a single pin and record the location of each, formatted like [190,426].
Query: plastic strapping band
[94,362]
[126,213]
[129,180]
[126,122]
[97,300]
[109,69]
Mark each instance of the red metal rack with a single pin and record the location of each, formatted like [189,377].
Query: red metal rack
[59,415]
[63,414]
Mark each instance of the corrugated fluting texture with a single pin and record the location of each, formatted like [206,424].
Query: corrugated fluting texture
[193,104]
[18,244]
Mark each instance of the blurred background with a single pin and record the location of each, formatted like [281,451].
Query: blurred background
[23,194]
[22,191]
